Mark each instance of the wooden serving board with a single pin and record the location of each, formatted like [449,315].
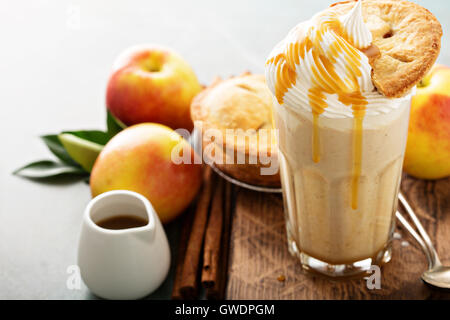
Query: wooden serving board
[259,254]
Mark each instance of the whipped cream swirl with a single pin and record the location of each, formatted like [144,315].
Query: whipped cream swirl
[355,27]
[320,67]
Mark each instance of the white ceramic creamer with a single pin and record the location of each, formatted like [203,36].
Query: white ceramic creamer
[126,263]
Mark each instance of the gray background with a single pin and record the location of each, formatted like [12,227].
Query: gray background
[55,61]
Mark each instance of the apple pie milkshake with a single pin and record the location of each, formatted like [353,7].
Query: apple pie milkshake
[341,144]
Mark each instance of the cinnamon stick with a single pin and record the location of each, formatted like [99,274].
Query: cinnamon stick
[183,241]
[217,292]
[213,239]
[189,275]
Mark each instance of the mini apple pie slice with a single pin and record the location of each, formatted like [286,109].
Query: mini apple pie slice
[234,117]
[398,28]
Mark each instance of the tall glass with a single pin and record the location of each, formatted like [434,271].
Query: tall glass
[338,224]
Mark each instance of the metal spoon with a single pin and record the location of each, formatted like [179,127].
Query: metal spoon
[437,275]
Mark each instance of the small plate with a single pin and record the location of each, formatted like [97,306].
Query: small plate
[244,184]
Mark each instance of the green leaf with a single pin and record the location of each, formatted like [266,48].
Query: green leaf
[96,136]
[113,124]
[83,151]
[56,147]
[47,169]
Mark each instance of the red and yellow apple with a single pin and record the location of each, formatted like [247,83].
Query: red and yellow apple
[152,83]
[428,149]
[139,159]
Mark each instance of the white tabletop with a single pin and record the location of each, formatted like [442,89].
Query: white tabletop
[55,60]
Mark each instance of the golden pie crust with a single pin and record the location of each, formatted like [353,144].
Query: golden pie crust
[244,105]
[409,38]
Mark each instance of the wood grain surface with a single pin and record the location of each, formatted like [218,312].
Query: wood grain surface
[259,258]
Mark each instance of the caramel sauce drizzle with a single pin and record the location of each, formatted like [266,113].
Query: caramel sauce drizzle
[325,80]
